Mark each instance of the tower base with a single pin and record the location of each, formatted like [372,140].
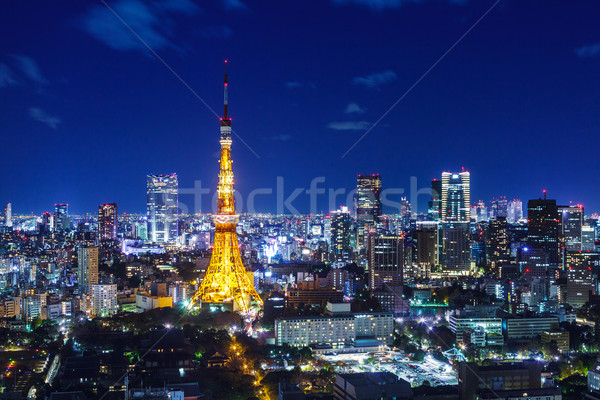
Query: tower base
[217,307]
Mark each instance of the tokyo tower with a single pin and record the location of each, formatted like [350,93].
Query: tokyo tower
[226,279]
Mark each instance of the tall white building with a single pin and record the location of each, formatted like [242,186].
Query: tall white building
[87,260]
[8,215]
[104,300]
[456,196]
[515,211]
[163,208]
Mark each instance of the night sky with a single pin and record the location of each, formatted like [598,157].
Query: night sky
[87,110]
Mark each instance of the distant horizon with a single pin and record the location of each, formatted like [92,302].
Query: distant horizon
[78,212]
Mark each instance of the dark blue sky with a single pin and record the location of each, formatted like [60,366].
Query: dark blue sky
[87,111]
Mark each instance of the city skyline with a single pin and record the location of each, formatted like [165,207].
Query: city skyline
[490,96]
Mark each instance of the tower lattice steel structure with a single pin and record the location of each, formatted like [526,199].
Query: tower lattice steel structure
[226,279]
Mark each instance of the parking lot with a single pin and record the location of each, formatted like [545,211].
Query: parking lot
[435,372]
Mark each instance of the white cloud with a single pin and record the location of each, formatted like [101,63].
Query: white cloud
[284,137]
[590,50]
[42,116]
[293,84]
[349,125]
[234,5]
[149,20]
[354,108]
[30,69]
[375,79]
[380,5]
[6,76]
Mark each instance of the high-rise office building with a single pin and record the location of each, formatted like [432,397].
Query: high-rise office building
[61,217]
[456,248]
[515,211]
[499,208]
[47,223]
[8,215]
[543,229]
[107,221]
[163,208]
[479,211]
[406,214]
[87,261]
[140,230]
[588,238]
[435,205]
[341,225]
[456,196]
[104,300]
[571,223]
[386,261]
[497,246]
[456,214]
[368,206]
[580,277]
[427,237]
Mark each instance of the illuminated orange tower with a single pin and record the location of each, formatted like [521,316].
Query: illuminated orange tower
[226,279]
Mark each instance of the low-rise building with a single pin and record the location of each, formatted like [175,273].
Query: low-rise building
[528,328]
[475,380]
[339,328]
[458,325]
[371,385]
[146,302]
[560,337]
[593,377]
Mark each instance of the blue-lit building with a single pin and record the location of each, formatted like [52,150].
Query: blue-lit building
[163,208]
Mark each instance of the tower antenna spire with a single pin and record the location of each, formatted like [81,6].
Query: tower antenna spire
[225,93]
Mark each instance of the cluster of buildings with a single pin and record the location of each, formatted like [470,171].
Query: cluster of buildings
[538,264]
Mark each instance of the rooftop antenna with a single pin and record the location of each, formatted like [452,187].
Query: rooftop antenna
[225,93]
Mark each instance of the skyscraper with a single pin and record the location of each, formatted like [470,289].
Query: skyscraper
[456,214]
[456,196]
[226,280]
[427,236]
[571,223]
[580,278]
[61,217]
[435,205]
[87,261]
[498,249]
[107,221]
[544,229]
[47,223]
[8,215]
[499,207]
[479,212]
[588,238]
[341,224]
[163,208]
[515,211]
[386,261]
[368,206]
[456,248]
